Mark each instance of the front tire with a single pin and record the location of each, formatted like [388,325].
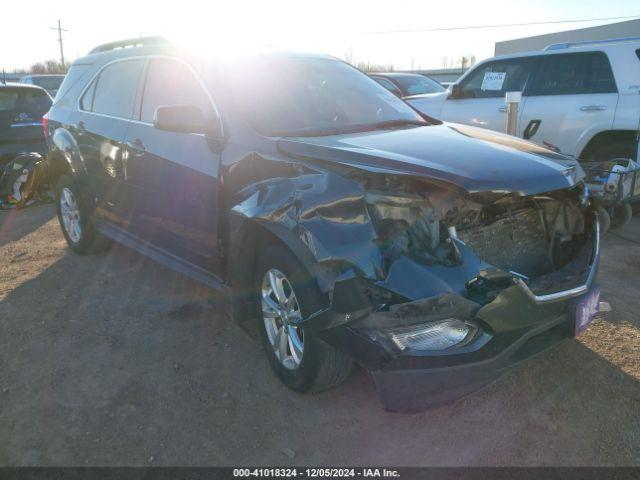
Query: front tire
[74,217]
[286,294]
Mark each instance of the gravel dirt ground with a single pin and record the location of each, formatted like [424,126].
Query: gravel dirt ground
[112,359]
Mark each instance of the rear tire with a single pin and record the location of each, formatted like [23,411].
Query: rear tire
[316,365]
[75,219]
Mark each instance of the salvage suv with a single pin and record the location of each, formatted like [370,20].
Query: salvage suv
[348,226]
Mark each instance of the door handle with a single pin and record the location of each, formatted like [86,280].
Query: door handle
[532,129]
[502,109]
[593,108]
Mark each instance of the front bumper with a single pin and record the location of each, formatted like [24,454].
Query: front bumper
[513,328]
[418,388]
[522,320]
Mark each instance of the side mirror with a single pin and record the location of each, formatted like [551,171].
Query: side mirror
[456,91]
[184,119]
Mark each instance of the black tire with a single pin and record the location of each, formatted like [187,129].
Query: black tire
[322,366]
[604,219]
[613,151]
[90,240]
[621,216]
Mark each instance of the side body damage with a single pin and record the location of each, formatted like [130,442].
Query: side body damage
[391,251]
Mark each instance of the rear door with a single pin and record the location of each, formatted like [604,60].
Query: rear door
[481,102]
[173,177]
[573,95]
[106,108]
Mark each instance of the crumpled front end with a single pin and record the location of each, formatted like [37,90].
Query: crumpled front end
[434,289]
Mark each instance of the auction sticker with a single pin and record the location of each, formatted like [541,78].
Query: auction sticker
[493,80]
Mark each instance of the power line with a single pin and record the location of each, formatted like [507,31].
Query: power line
[500,25]
[60,30]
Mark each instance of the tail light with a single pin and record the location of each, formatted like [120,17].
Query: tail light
[45,126]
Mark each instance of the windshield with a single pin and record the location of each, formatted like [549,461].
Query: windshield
[313,96]
[417,85]
[48,83]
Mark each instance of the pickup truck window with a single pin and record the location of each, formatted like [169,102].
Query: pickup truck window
[494,79]
[574,74]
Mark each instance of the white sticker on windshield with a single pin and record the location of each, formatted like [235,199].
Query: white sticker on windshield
[493,80]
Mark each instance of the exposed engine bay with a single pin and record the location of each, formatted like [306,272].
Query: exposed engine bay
[528,236]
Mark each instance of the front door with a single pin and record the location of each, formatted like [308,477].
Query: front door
[173,177]
[481,99]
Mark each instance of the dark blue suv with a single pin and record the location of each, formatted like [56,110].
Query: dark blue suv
[346,224]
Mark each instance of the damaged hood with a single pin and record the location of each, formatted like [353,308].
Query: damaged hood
[474,159]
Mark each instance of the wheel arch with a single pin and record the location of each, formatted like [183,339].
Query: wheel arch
[608,136]
[245,245]
[64,156]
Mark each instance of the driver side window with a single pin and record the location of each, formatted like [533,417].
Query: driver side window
[495,79]
[170,82]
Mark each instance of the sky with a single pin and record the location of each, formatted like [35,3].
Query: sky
[336,27]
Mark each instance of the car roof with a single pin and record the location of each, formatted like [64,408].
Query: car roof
[569,47]
[25,86]
[40,75]
[158,46]
[397,74]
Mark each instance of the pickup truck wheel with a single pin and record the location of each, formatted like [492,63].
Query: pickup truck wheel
[287,293]
[74,218]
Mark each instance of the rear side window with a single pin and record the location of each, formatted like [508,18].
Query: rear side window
[574,74]
[115,89]
[170,82]
[73,81]
[495,79]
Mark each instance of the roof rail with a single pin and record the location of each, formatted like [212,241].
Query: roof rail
[562,46]
[131,42]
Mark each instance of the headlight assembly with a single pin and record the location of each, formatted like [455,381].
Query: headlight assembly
[438,335]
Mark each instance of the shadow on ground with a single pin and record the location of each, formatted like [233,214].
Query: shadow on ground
[114,360]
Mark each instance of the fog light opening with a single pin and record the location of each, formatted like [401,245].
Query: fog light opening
[438,335]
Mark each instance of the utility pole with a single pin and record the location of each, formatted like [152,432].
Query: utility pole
[60,30]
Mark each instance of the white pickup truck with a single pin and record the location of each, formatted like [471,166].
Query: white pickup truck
[583,98]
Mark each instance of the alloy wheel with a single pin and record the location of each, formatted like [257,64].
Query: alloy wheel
[70,214]
[281,314]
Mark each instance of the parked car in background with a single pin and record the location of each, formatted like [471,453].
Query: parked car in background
[51,83]
[407,84]
[21,110]
[583,98]
[347,226]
